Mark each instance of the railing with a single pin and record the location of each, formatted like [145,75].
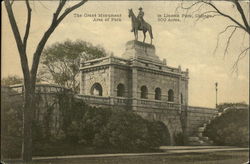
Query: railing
[95,61]
[40,88]
[157,104]
[105,100]
[94,99]
[117,60]
[196,109]
[123,101]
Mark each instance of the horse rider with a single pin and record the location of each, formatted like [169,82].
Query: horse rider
[140,18]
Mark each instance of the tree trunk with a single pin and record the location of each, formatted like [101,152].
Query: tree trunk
[30,76]
[29,104]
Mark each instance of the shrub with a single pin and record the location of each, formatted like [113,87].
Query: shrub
[179,139]
[231,128]
[126,131]
[159,134]
[117,129]
[96,129]
[11,124]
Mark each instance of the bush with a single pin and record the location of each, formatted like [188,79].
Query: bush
[125,131]
[116,129]
[231,128]
[179,139]
[11,124]
[85,128]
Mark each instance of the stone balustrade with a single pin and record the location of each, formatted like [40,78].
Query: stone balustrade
[40,88]
[157,104]
[123,101]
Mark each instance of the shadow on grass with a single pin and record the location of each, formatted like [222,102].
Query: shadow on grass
[55,149]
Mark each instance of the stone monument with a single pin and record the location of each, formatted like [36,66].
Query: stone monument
[141,82]
[138,24]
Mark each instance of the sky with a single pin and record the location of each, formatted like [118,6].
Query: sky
[185,42]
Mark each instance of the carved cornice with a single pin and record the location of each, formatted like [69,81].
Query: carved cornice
[158,72]
[128,65]
[94,68]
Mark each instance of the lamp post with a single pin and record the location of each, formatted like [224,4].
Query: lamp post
[216,90]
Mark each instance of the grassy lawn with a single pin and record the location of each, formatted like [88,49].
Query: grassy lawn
[227,157]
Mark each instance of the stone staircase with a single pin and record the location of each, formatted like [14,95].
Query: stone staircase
[198,138]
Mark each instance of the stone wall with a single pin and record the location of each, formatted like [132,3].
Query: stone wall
[184,91]
[197,116]
[99,75]
[170,117]
[48,108]
[154,80]
[122,76]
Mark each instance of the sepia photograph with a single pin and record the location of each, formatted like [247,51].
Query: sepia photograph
[125,82]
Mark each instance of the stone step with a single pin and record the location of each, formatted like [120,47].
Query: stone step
[201,129]
[193,139]
[200,134]
[204,138]
[199,143]
[198,138]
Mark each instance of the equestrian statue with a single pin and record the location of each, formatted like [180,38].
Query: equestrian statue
[138,24]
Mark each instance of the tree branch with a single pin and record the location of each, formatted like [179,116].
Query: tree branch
[11,3]
[235,66]
[70,9]
[228,41]
[26,35]
[227,16]
[239,8]
[22,53]
[47,34]
[58,10]
[189,7]
[218,37]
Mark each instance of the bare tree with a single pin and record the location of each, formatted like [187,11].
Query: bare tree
[29,75]
[204,7]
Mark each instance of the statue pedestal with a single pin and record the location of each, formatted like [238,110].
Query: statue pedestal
[139,50]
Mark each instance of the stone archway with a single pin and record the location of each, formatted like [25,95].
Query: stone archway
[96,89]
[170,131]
[158,93]
[168,136]
[144,92]
[170,95]
[120,90]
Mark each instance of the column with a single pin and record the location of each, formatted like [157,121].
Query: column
[111,81]
[81,83]
[134,88]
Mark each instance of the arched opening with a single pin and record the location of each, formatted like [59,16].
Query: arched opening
[171,95]
[144,92]
[165,133]
[96,89]
[157,94]
[181,98]
[120,90]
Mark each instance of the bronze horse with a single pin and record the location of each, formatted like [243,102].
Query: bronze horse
[144,27]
